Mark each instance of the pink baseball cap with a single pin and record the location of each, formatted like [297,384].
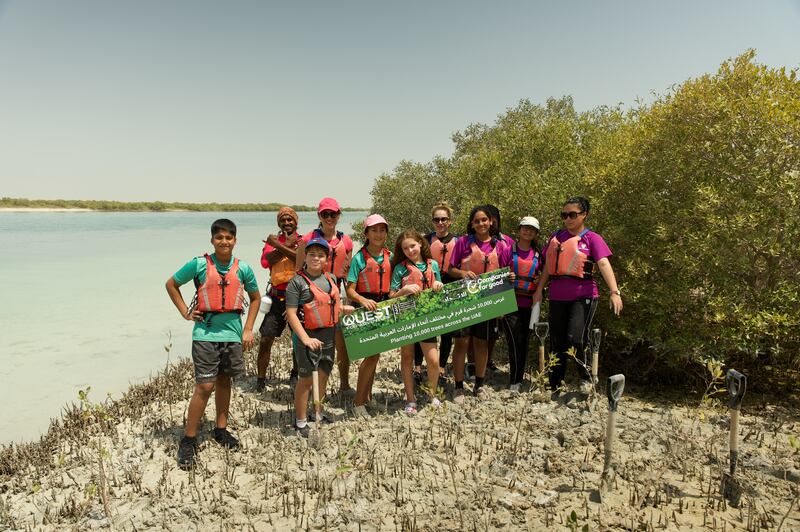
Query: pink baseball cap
[328,204]
[375,219]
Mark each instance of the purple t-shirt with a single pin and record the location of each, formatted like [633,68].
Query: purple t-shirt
[572,288]
[463,248]
[525,301]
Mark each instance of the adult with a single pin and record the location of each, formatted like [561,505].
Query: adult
[570,257]
[279,255]
[338,263]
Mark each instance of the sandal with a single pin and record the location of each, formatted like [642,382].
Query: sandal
[410,409]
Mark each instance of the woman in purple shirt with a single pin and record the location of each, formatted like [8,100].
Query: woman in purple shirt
[569,257]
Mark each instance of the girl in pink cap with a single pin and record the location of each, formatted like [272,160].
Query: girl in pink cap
[368,282]
[341,250]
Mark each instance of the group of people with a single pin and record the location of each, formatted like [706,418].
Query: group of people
[310,275]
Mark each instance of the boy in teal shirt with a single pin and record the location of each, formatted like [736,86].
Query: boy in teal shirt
[221,281]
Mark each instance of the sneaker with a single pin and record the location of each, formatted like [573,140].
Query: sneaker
[436,403]
[226,439]
[469,373]
[514,388]
[303,432]
[482,393]
[361,412]
[458,396]
[347,392]
[187,450]
[410,409]
[261,383]
[324,419]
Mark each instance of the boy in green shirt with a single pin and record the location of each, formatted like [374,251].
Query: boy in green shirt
[221,281]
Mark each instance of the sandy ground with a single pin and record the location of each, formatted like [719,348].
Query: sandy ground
[516,461]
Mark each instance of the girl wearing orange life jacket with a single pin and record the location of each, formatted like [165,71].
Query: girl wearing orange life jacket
[573,292]
[526,265]
[413,271]
[337,264]
[313,306]
[441,242]
[368,282]
[477,252]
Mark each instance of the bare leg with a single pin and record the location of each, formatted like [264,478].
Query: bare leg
[481,356]
[366,375]
[222,400]
[301,390]
[406,369]
[431,353]
[459,353]
[197,405]
[342,361]
[264,352]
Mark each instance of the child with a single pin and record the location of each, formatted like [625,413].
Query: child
[368,282]
[279,256]
[313,306]
[526,265]
[413,271]
[217,338]
[341,250]
[477,252]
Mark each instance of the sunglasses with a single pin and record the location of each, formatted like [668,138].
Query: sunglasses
[440,220]
[571,215]
[329,214]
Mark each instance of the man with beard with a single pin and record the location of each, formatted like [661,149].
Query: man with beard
[279,256]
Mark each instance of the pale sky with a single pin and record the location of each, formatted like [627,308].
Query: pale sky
[291,101]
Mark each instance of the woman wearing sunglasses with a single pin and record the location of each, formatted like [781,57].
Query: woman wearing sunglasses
[570,257]
[337,264]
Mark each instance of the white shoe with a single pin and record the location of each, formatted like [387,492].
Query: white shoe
[514,388]
[361,412]
[436,403]
[586,387]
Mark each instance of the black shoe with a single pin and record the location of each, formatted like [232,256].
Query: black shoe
[324,420]
[261,383]
[304,431]
[226,439]
[187,450]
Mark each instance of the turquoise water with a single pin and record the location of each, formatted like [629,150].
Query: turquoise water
[85,305]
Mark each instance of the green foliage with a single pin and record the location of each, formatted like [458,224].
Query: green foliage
[155,206]
[696,194]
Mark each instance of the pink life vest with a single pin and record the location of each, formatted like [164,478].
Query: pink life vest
[478,261]
[415,276]
[220,293]
[322,311]
[564,259]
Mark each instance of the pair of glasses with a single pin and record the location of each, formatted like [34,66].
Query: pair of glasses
[329,214]
[440,220]
[571,215]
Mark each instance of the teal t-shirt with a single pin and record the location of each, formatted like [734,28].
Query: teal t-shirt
[401,271]
[358,263]
[224,326]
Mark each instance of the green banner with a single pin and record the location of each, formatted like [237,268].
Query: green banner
[409,319]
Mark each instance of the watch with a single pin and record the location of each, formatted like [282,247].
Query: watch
[617,292]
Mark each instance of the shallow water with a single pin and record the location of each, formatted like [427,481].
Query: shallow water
[85,304]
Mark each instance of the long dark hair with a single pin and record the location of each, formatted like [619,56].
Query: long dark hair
[485,209]
[580,201]
[399,256]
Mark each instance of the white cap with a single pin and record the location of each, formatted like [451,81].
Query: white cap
[531,221]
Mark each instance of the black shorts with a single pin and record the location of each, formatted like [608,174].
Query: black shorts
[275,321]
[486,330]
[323,360]
[212,358]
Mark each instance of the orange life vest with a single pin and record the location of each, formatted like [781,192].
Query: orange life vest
[337,263]
[564,259]
[322,311]
[374,278]
[415,276]
[478,261]
[525,277]
[220,293]
[282,271]
[441,251]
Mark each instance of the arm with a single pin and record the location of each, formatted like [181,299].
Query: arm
[355,296]
[543,280]
[294,322]
[281,250]
[407,290]
[462,274]
[607,272]
[174,292]
[300,255]
[252,312]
